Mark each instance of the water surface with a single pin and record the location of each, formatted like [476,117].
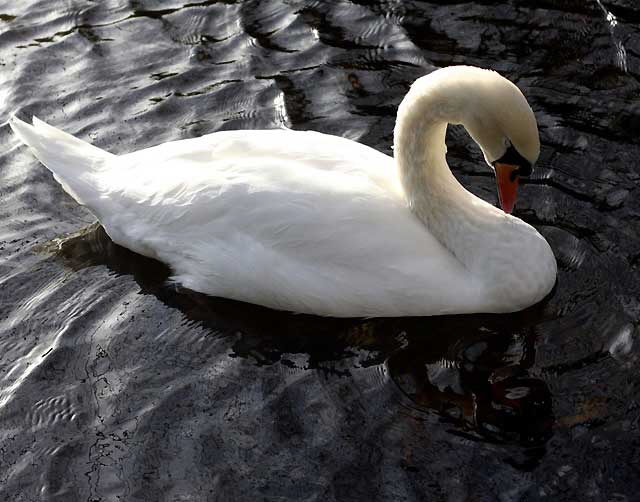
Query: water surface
[115,385]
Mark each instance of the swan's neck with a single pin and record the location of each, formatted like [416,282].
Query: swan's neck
[510,262]
[451,213]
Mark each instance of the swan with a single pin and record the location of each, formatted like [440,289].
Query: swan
[314,223]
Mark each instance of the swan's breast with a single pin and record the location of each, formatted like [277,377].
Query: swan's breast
[518,266]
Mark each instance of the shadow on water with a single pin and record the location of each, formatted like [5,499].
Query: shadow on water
[473,371]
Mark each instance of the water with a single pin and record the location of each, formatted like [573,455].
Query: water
[116,386]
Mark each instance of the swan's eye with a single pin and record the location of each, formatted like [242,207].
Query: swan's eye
[513,157]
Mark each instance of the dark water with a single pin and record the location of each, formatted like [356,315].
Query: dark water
[116,386]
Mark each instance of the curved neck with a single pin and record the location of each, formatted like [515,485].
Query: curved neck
[444,206]
[508,260]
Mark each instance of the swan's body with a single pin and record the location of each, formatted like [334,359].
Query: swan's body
[313,223]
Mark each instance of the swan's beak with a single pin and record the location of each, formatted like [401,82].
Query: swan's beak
[507,179]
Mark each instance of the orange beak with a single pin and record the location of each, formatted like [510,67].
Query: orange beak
[507,181]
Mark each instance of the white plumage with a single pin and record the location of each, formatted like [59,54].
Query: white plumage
[314,223]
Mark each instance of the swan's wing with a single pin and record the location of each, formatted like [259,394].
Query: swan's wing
[289,221]
[248,149]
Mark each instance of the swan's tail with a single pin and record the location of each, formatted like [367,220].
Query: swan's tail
[74,163]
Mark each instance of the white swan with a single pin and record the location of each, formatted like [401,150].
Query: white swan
[319,224]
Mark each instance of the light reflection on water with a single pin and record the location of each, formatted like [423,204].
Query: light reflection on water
[621,52]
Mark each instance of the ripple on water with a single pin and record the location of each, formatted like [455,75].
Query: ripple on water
[47,413]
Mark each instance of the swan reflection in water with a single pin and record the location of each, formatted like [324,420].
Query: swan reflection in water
[473,371]
[478,380]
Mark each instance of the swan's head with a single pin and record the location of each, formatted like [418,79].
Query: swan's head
[502,123]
